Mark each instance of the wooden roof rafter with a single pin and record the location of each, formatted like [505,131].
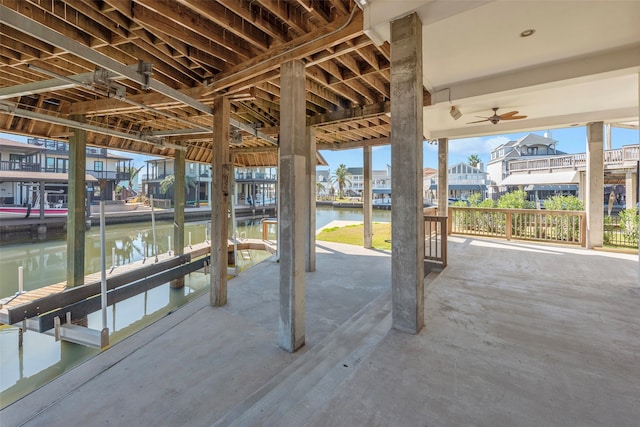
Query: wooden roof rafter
[201,49]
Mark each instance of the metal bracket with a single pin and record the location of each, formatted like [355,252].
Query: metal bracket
[101,77]
[56,328]
[145,70]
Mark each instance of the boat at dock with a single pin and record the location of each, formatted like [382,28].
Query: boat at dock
[50,210]
[25,212]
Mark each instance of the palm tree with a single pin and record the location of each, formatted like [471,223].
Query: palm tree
[474,160]
[166,185]
[320,187]
[133,173]
[341,177]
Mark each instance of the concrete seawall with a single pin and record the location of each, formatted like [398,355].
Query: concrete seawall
[11,229]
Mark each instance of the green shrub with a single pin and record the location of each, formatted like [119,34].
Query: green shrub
[564,203]
[515,200]
[473,199]
[486,203]
[629,223]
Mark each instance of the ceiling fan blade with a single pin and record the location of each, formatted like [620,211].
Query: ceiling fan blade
[510,113]
[478,121]
[514,117]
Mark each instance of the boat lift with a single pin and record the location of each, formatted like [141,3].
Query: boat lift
[53,314]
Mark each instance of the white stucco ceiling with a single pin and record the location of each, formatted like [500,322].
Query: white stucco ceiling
[582,63]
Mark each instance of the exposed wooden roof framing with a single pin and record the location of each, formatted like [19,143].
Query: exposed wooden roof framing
[196,50]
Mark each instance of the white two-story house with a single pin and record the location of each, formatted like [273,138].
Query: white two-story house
[26,166]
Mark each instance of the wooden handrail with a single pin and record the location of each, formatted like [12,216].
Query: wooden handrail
[523,224]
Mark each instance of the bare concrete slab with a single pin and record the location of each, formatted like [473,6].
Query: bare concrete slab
[516,334]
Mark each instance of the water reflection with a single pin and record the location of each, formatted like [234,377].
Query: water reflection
[45,262]
[41,359]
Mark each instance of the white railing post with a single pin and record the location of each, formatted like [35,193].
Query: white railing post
[20,280]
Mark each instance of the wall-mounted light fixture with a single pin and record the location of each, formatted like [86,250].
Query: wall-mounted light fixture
[455,112]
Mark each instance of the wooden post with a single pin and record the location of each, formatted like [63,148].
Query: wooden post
[221,171]
[178,209]
[76,205]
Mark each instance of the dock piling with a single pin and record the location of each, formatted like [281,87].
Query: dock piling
[20,280]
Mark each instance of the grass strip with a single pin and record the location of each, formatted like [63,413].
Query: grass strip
[354,235]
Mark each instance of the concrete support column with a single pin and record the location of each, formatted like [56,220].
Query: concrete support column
[631,185]
[367,205]
[407,258]
[76,225]
[179,189]
[595,184]
[221,174]
[582,187]
[443,176]
[311,210]
[294,199]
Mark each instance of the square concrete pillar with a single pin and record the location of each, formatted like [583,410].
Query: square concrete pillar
[367,206]
[311,208]
[443,176]
[221,173]
[595,184]
[294,202]
[582,187]
[407,259]
[631,187]
[76,206]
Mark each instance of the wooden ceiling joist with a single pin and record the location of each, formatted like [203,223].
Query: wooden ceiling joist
[197,51]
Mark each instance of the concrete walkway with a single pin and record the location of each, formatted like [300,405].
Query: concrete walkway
[517,335]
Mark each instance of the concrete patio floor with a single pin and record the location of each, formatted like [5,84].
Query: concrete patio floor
[516,334]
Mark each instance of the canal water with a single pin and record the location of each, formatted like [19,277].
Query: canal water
[41,358]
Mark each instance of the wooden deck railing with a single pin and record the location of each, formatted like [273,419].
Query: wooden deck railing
[520,224]
[435,237]
[620,157]
[266,222]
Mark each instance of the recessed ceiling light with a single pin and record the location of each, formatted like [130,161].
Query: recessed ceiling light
[527,33]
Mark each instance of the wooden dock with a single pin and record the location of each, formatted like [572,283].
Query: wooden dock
[53,297]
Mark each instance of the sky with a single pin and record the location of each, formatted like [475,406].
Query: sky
[570,140]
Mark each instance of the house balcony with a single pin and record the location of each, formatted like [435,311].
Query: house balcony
[255,176]
[621,158]
[9,165]
[110,175]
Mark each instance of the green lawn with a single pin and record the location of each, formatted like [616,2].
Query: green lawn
[353,235]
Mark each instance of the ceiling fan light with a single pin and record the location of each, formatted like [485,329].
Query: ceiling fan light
[455,112]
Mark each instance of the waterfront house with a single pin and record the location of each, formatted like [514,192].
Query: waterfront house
[463,180]
[380,183]
[253,185]
[24,166]
[531,146]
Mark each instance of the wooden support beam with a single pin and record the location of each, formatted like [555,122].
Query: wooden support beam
[299,48]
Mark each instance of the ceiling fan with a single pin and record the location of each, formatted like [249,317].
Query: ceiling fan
[511,115]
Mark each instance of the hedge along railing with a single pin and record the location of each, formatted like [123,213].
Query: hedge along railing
[521,224]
